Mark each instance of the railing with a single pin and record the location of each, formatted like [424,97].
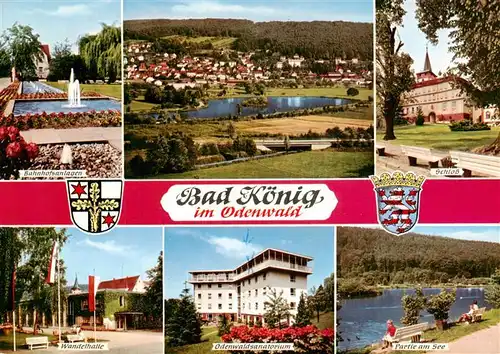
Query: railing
[211,278]
[273,263]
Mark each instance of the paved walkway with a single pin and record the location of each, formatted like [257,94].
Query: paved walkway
[486,341]
[113,135]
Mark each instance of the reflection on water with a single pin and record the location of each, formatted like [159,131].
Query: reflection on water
[228,106]
[363,321]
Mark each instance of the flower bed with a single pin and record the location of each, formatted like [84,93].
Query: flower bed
[53,95]
[109,118]
[308,339]
[15,153]
[7,94]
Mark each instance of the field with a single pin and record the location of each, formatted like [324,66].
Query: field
[217,42]
[439,136]
[310,164]
[113,90]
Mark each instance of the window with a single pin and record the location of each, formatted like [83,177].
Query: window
[199,286]
[292,305]
[122,301]
[230,306]
[264,276]
[256,292]
[199,306]
[256,305]
[453,104]
[209,296]
[249,293]
[256,279]
[220,306]
[264,291]
[209,306]
[230,296]
[412,110]
[220,296]
[219,285]
[292,278]
[292,291]
[249,306]
[445,105]
[210,286]
[199,296]
[85,304]
[243,306]
[265,306]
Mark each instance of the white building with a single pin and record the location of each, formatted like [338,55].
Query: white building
[43,65]
[241,293]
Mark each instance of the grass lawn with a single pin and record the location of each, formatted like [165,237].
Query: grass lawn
[340,92]
[113,90]
[141,105]
[326,320]
[310,164]
[7,342]
[217,42]
[209,336]
[439,136]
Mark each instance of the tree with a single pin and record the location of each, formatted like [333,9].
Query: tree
[239,109]
[223,326]
[394,76]
[286,141]
[102,53]
[153,299]
[474,35]
[439,306]
[412,306]
[10,254]
[184,327]
[317,300]
[277,309]
[420,117]
[172,154]
[231,130]
[329,285]
[303,312]
[4,63]
[352,91]
[492,293]
[24,49]
[63,61]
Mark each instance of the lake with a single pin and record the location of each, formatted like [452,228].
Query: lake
[228,106]
[365,318]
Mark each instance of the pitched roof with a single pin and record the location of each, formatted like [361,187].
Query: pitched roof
[427,64]
[126,283]
[45,48]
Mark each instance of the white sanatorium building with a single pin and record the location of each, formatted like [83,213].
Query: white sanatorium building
[240,293]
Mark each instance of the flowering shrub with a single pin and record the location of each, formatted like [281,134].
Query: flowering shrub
[109,118]
[308,339]
[15,153]
[52,95]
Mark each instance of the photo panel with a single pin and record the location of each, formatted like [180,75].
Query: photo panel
[222,283]
[261,89]
[61,90]
[60,285]
[437,287]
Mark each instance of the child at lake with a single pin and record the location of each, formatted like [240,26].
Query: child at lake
[389,334]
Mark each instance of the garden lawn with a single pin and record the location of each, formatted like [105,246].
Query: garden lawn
[113,90]
[310,164]
[326,320]
[439,136]
[209,336]
[7,342]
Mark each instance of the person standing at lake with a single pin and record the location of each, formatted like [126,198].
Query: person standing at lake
[389,334]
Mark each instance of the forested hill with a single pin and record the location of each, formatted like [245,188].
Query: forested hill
[317,39]
[371,253]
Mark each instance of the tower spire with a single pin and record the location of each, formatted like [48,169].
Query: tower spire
[427,64]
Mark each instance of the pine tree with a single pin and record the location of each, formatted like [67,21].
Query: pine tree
[277,309]
[317,301]
[303,313]
[224,326]
[185,325]
[154,293]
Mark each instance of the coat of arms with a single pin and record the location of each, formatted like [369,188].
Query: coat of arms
[398,200]
[95,204]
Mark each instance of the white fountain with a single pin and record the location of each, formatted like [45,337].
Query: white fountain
[73,92]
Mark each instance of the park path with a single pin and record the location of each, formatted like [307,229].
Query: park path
[486,341]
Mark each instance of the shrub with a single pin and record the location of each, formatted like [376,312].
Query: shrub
[203,160]
[352,91]
[209,149]
[308,339]
[412,305]
[492,295]
[224,326]
[467,126]
[439,305]
[420,117]
[138,166]
[15,153]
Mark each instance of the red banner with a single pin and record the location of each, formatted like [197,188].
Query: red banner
[92,292]
[462,201]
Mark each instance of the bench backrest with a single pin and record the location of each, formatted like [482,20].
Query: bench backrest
[37,340]
[416,149]
[480,311]
[489,165]
[73,337]
[410,330]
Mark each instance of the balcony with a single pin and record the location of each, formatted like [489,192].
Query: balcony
[274,264]
[210,278]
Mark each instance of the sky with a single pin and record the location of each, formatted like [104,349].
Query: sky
[415,42]
[125,251]
[471,233]
[218,248]
[255,10]
[56,20]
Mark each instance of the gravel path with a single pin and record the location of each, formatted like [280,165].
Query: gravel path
[486,341]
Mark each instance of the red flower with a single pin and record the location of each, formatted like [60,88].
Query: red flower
[32,150]
[14,150]
[13,133]
[3,133]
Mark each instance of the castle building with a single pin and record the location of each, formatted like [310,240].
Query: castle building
[438,99]
[241,293]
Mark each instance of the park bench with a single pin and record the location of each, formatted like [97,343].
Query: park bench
[420,153]
[413,332]
[74,338]
[478,315]
[484,164]
[37,342]
[380,149]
